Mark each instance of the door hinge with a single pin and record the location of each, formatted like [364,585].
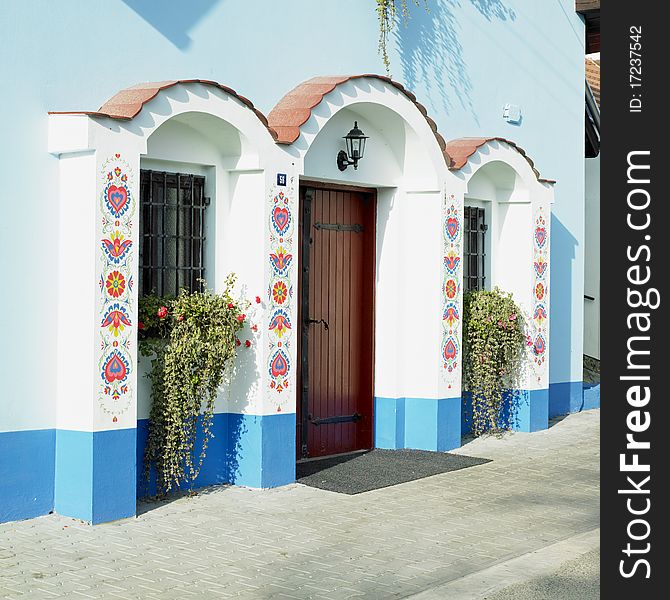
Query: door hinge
[355,227]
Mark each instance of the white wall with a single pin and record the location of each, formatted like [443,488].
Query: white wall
[592,258]
[408,294]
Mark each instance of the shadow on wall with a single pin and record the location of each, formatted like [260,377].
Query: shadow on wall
[173,20]
[563,251]
[494,9]
[431,52]
[226,449]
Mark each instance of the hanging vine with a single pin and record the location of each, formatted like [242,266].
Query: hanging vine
[192,340]
[494,346]
[387,12]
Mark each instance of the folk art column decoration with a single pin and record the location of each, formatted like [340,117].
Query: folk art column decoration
[452,296]
[281,355]
[540,311]
[116,308]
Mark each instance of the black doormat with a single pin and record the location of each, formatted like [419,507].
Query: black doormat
[356,473]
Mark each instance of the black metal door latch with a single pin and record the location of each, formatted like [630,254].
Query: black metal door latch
[315,321]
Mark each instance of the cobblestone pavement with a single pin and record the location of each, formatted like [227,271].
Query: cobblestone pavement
[300,542]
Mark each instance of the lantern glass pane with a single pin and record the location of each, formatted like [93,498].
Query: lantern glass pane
[362,147]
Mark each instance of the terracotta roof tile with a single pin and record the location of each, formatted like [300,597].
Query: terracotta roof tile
[128,103]
[295,108]
[292,111]
[461,149]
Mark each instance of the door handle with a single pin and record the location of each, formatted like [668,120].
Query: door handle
[315,321]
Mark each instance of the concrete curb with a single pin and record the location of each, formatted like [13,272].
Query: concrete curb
[477,586]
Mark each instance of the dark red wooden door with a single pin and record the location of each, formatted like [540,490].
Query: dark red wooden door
[335,398]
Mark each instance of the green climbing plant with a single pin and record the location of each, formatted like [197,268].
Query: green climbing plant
[387,12]
[494,342]
[191,340]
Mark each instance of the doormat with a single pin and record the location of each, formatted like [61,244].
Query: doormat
[357,473]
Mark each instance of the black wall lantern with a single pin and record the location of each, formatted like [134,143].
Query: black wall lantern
[355,140]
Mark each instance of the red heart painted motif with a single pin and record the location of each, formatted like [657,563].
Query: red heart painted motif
[279,365]
[117,198]
[449,350]
[280,217]
[540,267]
[115,369]
[452,227]
[540,236]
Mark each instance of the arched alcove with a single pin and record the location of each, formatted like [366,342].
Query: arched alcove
[404,171]
[508,197]
[498,190]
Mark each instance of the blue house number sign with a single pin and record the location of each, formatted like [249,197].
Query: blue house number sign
[281,178]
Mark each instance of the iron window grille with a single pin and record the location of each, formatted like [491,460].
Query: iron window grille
[474,249]
[172,232]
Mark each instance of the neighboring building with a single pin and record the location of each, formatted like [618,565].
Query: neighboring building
[592,234]
[375,260]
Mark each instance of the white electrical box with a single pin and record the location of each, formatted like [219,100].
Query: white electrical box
[512,113]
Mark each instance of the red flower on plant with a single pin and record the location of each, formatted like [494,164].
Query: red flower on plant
[254,327]
[180,318]
[512,317]
[231,305]
[241,318]
[140,326]
[258,299]
[247,343]
[237,342]
[162,312]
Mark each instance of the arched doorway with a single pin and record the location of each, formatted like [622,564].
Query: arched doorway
[369,379]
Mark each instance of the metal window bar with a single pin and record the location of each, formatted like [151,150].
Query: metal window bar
[171,232]
[474,249]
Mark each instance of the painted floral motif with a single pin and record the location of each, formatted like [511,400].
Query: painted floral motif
[451,315]
[450,353]
[116,248]
[280,292]
[116,319]
[280,323]
[451,288]
[115,284]
[280,261]
[117,210]
[540,314]
[452,262]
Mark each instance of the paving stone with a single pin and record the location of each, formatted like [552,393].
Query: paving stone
[298,542]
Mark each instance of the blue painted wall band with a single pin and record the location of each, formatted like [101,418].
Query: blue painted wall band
[251,450]
[27,461]
[95,474]
[418,423]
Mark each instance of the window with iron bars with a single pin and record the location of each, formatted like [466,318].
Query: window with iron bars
[172,232]
[474,249]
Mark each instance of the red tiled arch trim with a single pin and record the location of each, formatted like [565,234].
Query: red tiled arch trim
[460,150]
[128,103]
[295,108]
[292,111]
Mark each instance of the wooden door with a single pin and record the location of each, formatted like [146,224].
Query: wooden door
[335,393]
